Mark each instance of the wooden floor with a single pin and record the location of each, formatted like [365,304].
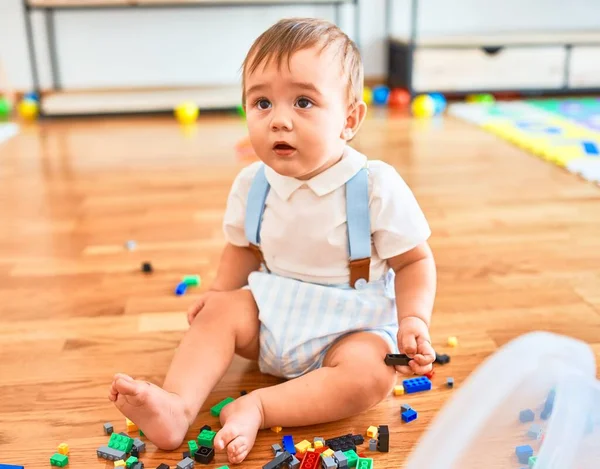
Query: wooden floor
[516,241]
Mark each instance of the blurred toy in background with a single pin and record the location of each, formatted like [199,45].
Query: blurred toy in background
[187,112]
[28,109]
[481,98]
[399,98]
[7,97]
[381,95]
[367,95]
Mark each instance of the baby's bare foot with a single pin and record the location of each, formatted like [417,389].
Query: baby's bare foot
[158,413]
[241,421]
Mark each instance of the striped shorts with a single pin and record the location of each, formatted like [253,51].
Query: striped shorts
[299,321]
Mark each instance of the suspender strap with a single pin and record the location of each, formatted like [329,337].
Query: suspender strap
[255,209]
[359,226]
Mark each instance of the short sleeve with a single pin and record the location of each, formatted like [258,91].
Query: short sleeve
[235,212]
[397,222]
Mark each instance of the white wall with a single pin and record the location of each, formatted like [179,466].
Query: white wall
[175,47]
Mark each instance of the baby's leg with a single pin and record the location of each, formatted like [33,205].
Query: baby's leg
[227,324]
[353,378]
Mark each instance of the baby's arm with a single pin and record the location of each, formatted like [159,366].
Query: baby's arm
[235,266]
[415,287]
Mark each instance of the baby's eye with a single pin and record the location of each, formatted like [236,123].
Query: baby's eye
[263,104]
[304,103]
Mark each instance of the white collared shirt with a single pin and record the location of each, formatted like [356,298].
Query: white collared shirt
[304,232]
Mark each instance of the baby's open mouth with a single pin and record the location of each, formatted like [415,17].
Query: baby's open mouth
[283,146]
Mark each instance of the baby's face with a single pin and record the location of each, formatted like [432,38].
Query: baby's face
[297,115]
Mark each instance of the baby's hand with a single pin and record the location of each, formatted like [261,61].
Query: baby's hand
[414,341]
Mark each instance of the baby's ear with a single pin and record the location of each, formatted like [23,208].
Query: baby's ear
[354,119]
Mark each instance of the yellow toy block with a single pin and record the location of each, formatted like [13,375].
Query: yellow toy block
[131,427]
[372,432]
[328,452]
[310,450]
[452,341]
[303,446]
[276,429]
[120,463]
[63,448]
[318,444]
[398,390]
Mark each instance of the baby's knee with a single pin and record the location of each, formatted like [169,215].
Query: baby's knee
[376,382]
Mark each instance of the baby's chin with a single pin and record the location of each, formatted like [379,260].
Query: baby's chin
[289,168]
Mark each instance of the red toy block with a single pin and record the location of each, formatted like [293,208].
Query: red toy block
[321,449]
[311,460]
[431,374]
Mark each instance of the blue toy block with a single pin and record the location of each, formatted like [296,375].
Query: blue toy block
[524,453]
[526,415]
[535,432]
[548,405]
[422,383]
[181,289]
[409,415]
[404,408]
[8,466]
[288,444]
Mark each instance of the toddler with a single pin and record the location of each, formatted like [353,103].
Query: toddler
[326,267]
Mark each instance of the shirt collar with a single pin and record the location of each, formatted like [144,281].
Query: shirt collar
[323,183]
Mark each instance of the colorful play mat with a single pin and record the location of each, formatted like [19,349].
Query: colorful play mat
[563,131]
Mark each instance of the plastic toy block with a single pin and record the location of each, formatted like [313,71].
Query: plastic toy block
[142,433]
[372,432]
[310,461]
[162,465]
[364,463]
[191,280]
[147,268]
[328,463]
[187,463]
[548,405]
[279,461]
[63,448]
[526,415]
[294,463]
[276,429]
[383,441]
[358,439]
[372,444]
[180,289]
[535,432]
[442,359]
[452,341]
[430,375]
[450,382]
[409,416]
[215,411]
[341,459]
[288,444]
[139,445]
[138,465]
[206,438]
[319,444]
[192,447]
[130,245]
[120,442]
[108,428]
[10,466]
[131,460]
[404,408]
[416,385]
[131,427]
[119,463]
[532,461]
[303,446]
[109,453]
[524,453]
[398,390]
[396,359]
[59,460]
[135,452]
[222,467]
[204,455]
[327,453]
[351,457]
[243,392]
[276,448]
[345,442]
[186,454]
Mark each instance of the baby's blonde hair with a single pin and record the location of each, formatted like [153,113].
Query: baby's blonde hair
[289,36]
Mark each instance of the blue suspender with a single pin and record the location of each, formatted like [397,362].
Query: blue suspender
[357,214]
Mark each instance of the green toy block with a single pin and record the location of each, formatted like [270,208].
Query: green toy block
[364,463]
[223,467]
[142,433]
[352,457]
[206,438]
[193,447]
[216,410]
[59,460]
[120,442]
[131,461]
[192,280]
[532,461]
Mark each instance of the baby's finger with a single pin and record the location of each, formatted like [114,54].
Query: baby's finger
[426,349]
[420,369]
[409,344]
[423,360]
[405,370]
